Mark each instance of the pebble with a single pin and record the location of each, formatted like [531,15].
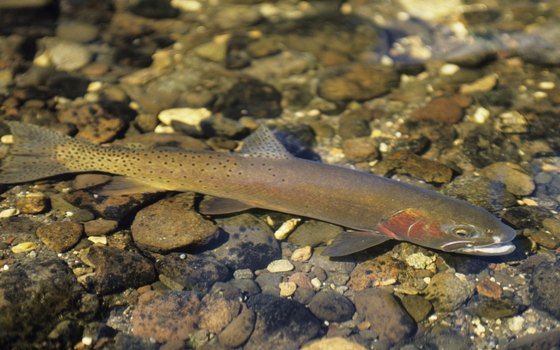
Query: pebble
[189,116]
[483,84]
[250,243]
[8,213]
[356,82]
[32,203]
[239,330]
[286,228]
[512,175]
[545,280]
[166,316]
[98,239]
[313,233]
[491,308]
[421,261]
[282,265]
[116,270]
[192,272]
[287,289]
[361,149]
[100,227]
[281,323]
[243,274]
[417,306]
[448,110]
[489,289]
[387,318]
[171,224]
[331,306]
[67,55]
[251,98]
[334,343]
[302,254]
[448,292]
[60,236]
[23,247]
[301,279]
[512,122]
[515,324]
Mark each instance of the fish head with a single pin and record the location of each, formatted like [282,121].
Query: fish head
[468,230]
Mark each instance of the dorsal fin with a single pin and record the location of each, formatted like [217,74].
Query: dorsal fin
[263,144]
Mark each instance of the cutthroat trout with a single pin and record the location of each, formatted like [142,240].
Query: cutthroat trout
[264,175]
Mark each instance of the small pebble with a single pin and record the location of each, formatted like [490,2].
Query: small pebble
[286,228]
[243,274]
[287,289]
[282,265]
[316,283]
[24,247]
[32,203]
[8,213]
[98,239]
[302,254]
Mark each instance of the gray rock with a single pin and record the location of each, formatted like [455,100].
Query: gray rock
[116,270]
[491,308]
[331,306]
[388,319]
[517,181]
[239,330]
[250,243]
[544,284]
[66,55]
[281,323]
[192,272]
[313,233]
[447,292]
[481,192]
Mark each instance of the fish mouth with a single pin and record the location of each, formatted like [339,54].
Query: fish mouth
[491,249]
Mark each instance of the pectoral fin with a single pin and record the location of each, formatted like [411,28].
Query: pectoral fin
[218,206]
[352,242]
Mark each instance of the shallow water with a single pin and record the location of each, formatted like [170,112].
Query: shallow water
[461,97]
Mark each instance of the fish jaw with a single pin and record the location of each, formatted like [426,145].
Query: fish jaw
[491,249]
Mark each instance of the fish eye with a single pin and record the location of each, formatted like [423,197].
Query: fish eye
[464,231]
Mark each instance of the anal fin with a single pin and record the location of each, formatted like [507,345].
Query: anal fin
[122,185]
[218,206]
[354,241]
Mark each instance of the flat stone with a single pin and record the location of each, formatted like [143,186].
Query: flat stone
[334,343]
[239,330]
[313,233]
[60,236]
[331,306]
[387,318]
[280,266]
[166,316]
[489,289]
[512,175]
[171,224]
[445,109]
[100,227]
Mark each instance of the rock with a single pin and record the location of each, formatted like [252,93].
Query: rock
[340,266]
[405,162]
[552,225]
[492,308]
[481,192]
[447,291]
[100,227]
[32,203]
[360,149]
[546,278]
[445,109]
[301,279]
[282,265]
[356,123]
[418,307]
[357,82]
[512,123]
[302,254]
[166,316]
[447,338]
[66,55]
[251,98]
[387,318]
[95,123]
[66,85]
[83,181]
[331,306]
[313,233]
[287,289]
[243,273]
[269,282]
[216,312]
[60,236]
[489,289]
[155,9]
[36,295]
[239,330]
[544,340]
[483,84]
[188,116]
[335,343]
[214,51]
[170,224]
[233,15]
[116,270]
[77,31]
[380,271]
[512,175]
[281,323]
[192,272]
[250,243]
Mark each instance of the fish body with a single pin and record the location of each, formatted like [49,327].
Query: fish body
[264,175]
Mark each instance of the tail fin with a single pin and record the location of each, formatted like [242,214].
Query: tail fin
[33,155]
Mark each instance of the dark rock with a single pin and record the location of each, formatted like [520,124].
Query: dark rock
[304,295]
[357,82]
[192,272]
[387,318]
[355,123]
[239,330]
[166,316]
[251,98]
[545,340]
[36,294]
[126,341]
[281,323]
[116,270]
[69,86]
[482,306]
[447,110]
[447,339]
[526,217]
[250,243]
[473,55]
[331,306]
[156,9]
[94,122]
[60,236]
[405,162]
[171,224]
[481,192]
[447,292]
[546,278]
[484,146]
[100,227]
[268,282]
[417,306]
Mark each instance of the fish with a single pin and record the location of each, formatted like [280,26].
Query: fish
[263,174]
